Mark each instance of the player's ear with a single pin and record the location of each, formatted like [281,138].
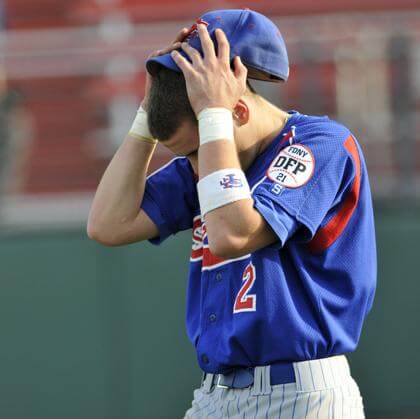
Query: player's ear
[241,113]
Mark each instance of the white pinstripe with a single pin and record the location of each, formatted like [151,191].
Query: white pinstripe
[215,405]
[282,399]
[332,405]
[323,389]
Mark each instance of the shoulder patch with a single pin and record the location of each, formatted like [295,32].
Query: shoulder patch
[293,167]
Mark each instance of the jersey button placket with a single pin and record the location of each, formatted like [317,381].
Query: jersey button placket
[210,326]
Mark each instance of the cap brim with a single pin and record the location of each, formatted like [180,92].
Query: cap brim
[255,74]
[154,64]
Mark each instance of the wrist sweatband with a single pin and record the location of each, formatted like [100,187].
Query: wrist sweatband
[222,188]
[215,124]
[140,127]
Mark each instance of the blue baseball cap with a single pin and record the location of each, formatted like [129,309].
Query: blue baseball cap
[251,35]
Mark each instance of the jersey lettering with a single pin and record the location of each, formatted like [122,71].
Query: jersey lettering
[197,239]
[245,301]
[200,251]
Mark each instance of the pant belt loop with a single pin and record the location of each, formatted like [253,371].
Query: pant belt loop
[208,383]
[262,385]
[300,386]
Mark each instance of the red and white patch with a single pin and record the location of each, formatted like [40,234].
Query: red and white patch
[197,239]
[200,251]
[293,167]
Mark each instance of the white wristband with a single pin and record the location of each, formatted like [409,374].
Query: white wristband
[222,188]
[215,124]
[140,127]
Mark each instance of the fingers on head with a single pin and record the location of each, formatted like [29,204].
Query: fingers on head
[192,53]
[182,63]
[181,34]
[206,42]
[157,53]
[175,45]
[222,46]
[240,70]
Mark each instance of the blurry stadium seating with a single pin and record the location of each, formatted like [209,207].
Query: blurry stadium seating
[73,61]
[53,13]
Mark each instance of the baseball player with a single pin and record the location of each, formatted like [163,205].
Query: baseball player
[283,261]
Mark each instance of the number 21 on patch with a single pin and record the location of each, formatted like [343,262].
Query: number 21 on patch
[245,301]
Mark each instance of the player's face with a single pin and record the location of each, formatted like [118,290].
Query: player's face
[185,141]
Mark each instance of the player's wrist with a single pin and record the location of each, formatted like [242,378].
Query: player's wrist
[140,128]
[215,124]
[221,188]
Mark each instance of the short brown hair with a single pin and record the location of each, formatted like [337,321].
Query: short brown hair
[169,105]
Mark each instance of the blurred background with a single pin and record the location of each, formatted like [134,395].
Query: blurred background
[81,331]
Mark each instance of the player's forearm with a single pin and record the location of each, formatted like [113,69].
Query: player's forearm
[217,155]
[231,226]
[120,191]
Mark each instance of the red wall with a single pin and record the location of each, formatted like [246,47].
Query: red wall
[47,13]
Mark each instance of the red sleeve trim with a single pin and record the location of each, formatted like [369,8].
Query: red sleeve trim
[327,235]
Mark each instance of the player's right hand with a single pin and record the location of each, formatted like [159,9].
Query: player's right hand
[176,44]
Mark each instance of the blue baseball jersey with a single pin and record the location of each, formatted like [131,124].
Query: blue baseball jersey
[306,295]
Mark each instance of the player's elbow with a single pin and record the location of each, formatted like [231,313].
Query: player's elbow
[100,234]
[227,246]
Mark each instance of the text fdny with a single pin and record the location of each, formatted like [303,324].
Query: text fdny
[298,151]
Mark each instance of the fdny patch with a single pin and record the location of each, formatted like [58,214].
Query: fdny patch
[293,166]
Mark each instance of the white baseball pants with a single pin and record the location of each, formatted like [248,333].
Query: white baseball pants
[324,389]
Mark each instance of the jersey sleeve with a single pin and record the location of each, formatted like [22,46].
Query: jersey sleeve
[282,223]
[310,183]
[170,198]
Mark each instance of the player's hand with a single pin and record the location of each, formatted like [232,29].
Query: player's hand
[210,81]
[176,44]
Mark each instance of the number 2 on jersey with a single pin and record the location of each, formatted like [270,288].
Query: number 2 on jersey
[245,301]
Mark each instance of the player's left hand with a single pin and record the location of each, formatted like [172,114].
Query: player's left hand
[210,81]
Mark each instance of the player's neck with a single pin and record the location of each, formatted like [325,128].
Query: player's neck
[268,121]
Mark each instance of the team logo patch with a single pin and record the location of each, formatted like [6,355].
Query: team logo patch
[293,167]
[230,181]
